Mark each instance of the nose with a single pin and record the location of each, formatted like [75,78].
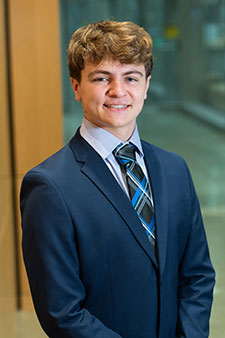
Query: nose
[116,89]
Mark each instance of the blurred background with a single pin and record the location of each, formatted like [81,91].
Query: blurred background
[184,113]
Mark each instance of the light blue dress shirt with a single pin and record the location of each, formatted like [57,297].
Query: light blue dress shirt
[104,143]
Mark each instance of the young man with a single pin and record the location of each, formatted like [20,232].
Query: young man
[113,239]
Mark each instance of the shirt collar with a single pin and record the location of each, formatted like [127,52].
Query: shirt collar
[103,141]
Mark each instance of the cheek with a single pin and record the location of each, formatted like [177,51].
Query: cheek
[93,96]
[86,99]
[91,103]
[140,98]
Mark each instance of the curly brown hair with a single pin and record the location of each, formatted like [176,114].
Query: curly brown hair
[125,42]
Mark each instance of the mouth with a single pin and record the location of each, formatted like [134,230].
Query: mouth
[117,106]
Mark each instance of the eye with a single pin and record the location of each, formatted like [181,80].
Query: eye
[131,79]
[100,79]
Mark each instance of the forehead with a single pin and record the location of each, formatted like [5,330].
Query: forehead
[113,67]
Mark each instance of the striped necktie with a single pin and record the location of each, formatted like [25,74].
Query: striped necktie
[138,187]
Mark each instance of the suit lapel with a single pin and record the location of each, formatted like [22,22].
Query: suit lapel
[97,171]
[158,186]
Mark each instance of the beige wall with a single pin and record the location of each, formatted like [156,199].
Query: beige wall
[7,252]
[36,101]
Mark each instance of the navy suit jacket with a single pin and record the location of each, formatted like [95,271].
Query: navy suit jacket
[91,268]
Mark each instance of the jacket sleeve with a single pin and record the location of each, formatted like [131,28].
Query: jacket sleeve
[52,263]
[196,278]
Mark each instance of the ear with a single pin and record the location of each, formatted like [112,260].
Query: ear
[76,88]
[147,86]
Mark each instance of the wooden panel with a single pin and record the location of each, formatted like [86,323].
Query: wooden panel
[36,80]
[36,93]
[7,253]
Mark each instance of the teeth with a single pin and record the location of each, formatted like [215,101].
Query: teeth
[118,106]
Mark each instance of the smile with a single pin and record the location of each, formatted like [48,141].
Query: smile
[117,106]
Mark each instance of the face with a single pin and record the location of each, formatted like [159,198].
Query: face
[112,95]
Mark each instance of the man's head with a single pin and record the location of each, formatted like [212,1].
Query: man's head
[124,42]
[110,65]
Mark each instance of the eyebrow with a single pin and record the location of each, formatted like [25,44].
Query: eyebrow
[105,72]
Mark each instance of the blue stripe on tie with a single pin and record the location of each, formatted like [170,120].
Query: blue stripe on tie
[139,192]
[145,187]
[124,161]
[149,226]
[150,230]
[136,196]
[141,185]
[134,177]
[139,200]
[144,184]
[152,222]
[125,158]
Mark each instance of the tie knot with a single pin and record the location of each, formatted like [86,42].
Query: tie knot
[125,153]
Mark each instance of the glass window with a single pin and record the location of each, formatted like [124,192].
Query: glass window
[189,52]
